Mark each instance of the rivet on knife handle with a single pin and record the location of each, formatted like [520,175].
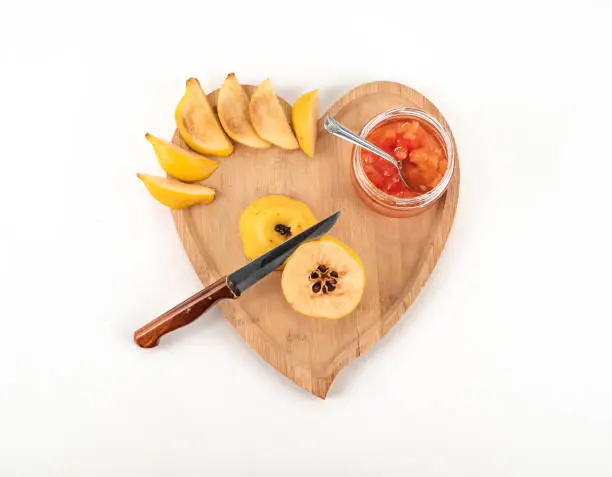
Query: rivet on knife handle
[184,313]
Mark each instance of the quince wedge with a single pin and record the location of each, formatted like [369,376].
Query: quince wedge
[176,194]
[198,123]
[181,163]
[304,116]
[233,111]
[269,119]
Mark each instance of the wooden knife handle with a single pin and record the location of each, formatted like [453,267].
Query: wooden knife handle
[148,336]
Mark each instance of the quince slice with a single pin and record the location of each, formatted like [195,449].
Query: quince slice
[304,116]
[198,123]
[181,163]
[176,194]
[269,119]
[233,110]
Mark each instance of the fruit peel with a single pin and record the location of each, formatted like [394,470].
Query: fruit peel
[304,116]
[176,194]
[180,163]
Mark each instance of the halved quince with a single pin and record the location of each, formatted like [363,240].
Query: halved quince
[348,249]
[323,279]
[198,123]
[270,220]
[304,116]
[181,163]
[269,118]
[176,194]
[233,110]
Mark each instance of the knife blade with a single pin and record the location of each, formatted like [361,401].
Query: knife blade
[255,270]
[228,287]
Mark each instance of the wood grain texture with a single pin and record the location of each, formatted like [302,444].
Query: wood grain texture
[399,254]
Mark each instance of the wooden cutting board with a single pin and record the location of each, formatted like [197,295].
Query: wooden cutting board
[398,254]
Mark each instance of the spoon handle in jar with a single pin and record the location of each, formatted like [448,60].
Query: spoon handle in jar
[334,127]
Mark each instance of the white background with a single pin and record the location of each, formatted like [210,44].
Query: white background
[503,367]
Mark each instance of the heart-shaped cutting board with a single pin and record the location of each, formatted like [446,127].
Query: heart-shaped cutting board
[398,254]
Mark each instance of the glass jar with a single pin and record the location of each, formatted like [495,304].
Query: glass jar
[390,205]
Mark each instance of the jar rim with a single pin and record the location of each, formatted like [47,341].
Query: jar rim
[421,200]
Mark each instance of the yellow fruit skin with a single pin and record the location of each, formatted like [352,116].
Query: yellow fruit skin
[258,220]
[269,119]
[180,163]
[176,194]
[304,116]
[198,123]
[233,111]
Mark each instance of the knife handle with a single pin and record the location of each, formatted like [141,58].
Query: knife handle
[184,313]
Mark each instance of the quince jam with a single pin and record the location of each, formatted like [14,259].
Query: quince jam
[416,147]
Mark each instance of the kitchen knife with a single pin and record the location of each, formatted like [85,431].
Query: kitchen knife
[228,287]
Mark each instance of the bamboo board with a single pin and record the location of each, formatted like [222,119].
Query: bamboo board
[398,254]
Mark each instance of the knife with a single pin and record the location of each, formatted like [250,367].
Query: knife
[228,287]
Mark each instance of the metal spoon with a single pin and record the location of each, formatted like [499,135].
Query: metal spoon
[334,127]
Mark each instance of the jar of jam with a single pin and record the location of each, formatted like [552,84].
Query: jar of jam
[425,149]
